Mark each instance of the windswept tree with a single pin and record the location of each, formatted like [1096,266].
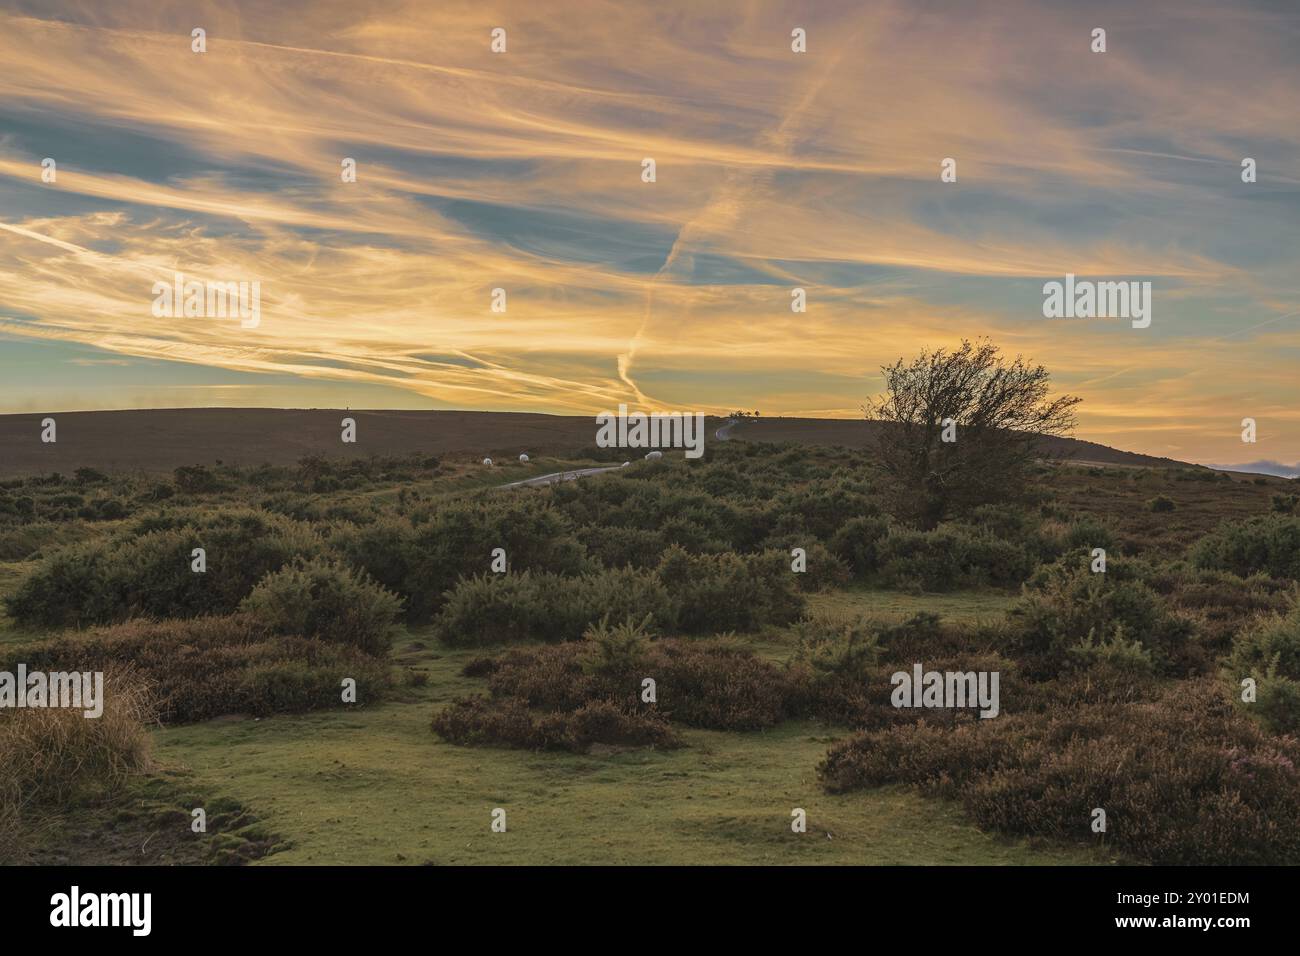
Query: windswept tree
[959,428]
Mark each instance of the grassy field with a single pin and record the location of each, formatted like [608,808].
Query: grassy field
[375,786]
[373,783]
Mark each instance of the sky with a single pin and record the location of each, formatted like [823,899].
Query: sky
[523,170]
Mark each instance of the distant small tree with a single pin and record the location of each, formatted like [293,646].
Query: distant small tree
[959,428]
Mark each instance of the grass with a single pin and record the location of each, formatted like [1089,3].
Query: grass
[967,607]
[375,786]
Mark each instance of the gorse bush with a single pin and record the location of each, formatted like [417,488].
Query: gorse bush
[318,598]
[688,593]
[146,570]
[617,650]
[730,592]
[1068,613]
[1270,545]
[857,543]
[424,561]
[1269,653]
[508,608]
[617,547]
[822,505]
[840,648]
[951,557]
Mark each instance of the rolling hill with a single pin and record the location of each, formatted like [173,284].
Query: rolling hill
[158,440]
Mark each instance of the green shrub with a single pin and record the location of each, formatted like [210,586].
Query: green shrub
[195,479]
[508,608]
[423,563]
[856,542]
[1269,652]
[730,592]
[1069,613]
[1161,503]
[617,547]
[619,650]
[383,549]
[1284,504]
[1268,544]
[1114,653]
[146,570]
[318,598]
[839,648]
[952,557]
[1087,533]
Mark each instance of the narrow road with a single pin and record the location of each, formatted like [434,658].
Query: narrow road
[555,477]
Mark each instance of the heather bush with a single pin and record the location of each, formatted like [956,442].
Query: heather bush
[713,684]
[1220,602]
[1184,778]
[475,721]
[206,667]
[717,685]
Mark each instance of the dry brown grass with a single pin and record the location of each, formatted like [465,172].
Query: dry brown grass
[53,757]
[1119,498]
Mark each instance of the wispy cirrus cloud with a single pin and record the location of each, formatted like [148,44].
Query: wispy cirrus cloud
[522,171]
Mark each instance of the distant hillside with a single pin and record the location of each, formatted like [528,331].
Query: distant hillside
[1276,468]
[160,440]
[859,433]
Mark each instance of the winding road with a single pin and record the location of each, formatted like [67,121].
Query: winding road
[555,477]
